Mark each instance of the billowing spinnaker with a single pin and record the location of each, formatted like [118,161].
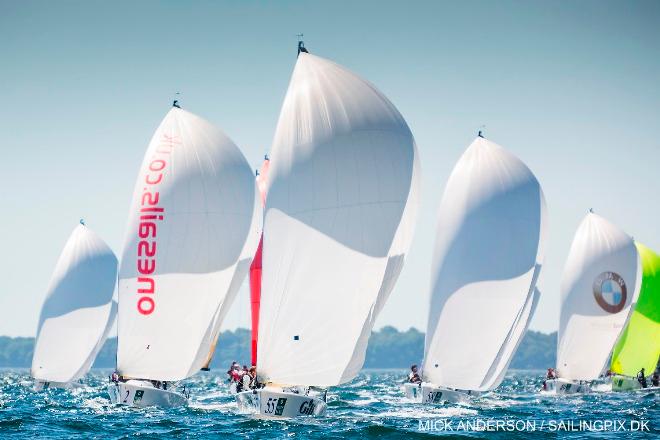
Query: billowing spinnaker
[339,218]
[488,254]
[77,310]
[639,344]
[189,224]
[599,284]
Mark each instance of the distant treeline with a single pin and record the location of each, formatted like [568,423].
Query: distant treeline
[388,348]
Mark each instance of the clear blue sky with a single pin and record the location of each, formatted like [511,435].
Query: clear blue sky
[572,88]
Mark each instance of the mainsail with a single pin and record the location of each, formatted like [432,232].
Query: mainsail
[191,223]
[639,345]
[488,253]
[256,266]
[78,311]
[599,284]
[339,220]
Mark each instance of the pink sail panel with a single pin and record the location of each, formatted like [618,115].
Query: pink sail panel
[255,267]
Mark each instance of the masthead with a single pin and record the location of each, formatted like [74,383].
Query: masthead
[301,44]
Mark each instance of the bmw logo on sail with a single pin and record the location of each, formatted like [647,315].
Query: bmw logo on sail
[610,292]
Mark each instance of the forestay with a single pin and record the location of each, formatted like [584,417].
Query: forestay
[488,253]
[598,287]
[190,225]
[639,344]
[339,219]
[78,310]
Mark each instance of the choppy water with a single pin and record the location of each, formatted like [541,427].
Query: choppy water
[371,406]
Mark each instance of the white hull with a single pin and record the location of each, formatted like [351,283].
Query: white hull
[274,402]
[413,391]
[432,394]
[563,386]
[142,393]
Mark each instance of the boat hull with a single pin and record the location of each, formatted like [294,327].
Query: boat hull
[432,394]
[413,391]
[563,386]
[142,393]
[277,403]
[627,383]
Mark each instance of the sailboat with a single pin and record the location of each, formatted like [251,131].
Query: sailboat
[599,286]
[78,312]
[339,219]
[488,254]
[639,344]
[194,217]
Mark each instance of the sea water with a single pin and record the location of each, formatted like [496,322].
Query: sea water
[371,406]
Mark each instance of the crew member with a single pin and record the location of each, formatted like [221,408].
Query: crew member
[414,377]
[641,378]
[246,381]
[232,371]
[253,377]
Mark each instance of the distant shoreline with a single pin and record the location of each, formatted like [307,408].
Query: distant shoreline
[388,349]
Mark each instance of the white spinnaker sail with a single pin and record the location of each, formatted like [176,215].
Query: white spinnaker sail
[509,348]
[488,254]
[106,332]
[191,215]
[599,284]
[339,219]
[77,309]
[242,267]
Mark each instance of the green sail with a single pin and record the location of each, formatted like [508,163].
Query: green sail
[639,344]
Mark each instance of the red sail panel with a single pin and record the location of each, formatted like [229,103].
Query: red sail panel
[255,297]
[255,267]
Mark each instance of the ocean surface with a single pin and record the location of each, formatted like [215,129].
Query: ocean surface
[371,406]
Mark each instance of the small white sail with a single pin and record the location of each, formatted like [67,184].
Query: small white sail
[599,284]
[192,213]
[488,255]
[339,219]
[78,309]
